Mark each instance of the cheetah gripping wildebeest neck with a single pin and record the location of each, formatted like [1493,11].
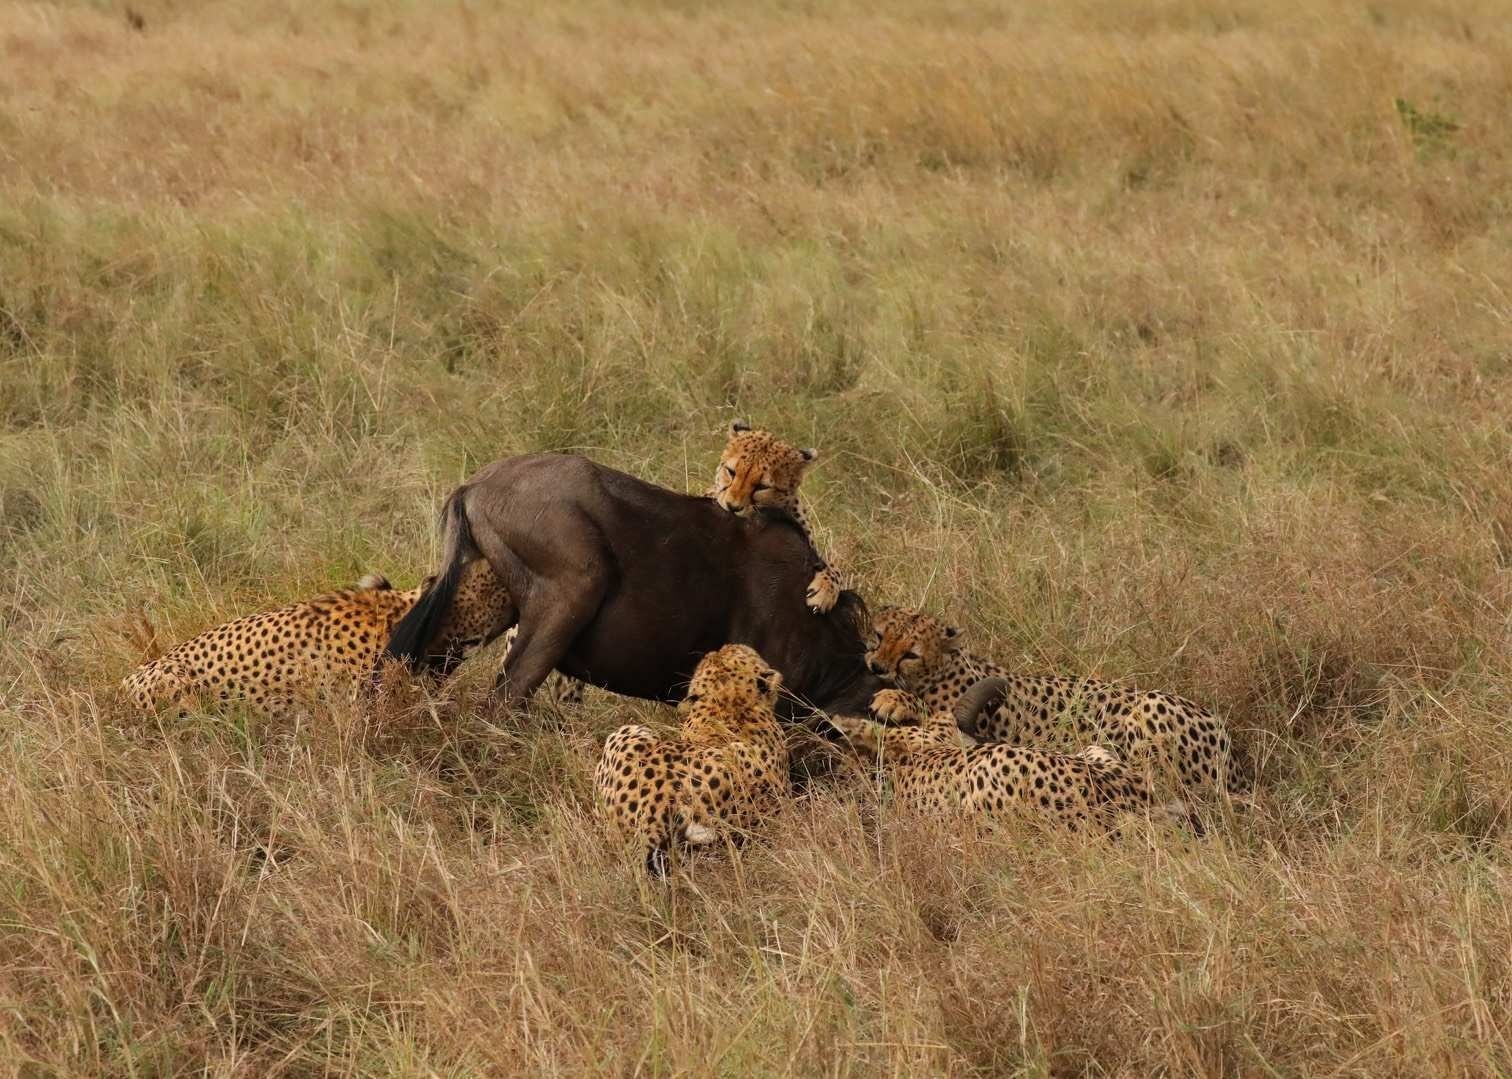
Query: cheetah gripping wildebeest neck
[1172,738]
[760,471]
[724,773]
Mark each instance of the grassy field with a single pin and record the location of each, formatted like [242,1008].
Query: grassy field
[1168,341]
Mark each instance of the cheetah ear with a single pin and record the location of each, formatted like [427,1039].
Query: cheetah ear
[767,682]
[953,637]
[739,426]
[809,456]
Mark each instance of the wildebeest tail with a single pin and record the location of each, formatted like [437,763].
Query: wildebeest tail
[988,691]
[412,636]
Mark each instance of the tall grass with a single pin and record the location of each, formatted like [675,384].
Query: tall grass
[1163,341]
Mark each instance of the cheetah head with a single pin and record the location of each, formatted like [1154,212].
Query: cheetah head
[481,611]
[734,675]
[905,647]
[758,469]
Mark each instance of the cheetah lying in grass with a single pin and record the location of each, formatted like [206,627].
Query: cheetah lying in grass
[330,643]
[725,772]
[931,772]
[1157,732]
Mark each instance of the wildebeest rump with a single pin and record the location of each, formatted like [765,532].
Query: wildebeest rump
[626,585]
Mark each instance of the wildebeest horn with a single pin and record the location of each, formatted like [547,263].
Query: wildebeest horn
[979,696]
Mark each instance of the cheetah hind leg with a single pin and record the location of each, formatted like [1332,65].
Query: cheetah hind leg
[659,856]
[1174,812]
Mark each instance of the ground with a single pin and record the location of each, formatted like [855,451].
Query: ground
[1162,341]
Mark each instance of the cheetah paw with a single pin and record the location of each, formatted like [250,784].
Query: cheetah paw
[896,707]
[823,592]
[1099,755]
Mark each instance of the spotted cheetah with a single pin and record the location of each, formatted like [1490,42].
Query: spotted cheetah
[916,652]
[758,469]
[931,773]
[724,773]
[272,660]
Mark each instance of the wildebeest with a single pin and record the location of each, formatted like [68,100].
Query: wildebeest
[625,585]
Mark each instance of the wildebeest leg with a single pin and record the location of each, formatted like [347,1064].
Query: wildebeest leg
[550,621]
[558,583]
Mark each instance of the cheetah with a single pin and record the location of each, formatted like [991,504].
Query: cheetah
[931,773]
[757,469]
[916,652]
[724,773]
[330,642]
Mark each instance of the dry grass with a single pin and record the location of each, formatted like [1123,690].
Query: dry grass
[1152,340]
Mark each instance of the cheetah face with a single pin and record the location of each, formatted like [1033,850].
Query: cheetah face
[758,469]
[906,647]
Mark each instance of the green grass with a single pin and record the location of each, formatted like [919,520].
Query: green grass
[1159,342]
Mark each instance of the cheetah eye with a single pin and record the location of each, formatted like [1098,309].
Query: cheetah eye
[910,655]
[729,471]
[762,487]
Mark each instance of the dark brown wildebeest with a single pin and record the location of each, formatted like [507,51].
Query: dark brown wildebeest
[626,585]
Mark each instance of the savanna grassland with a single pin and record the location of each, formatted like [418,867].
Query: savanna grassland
[1168,341]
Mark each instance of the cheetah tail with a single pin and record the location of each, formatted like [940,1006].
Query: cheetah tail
[1237,773]
[139,632]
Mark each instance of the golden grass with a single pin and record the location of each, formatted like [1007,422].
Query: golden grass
[1165,341]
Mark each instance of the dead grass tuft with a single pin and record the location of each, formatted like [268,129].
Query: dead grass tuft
[1162,341]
